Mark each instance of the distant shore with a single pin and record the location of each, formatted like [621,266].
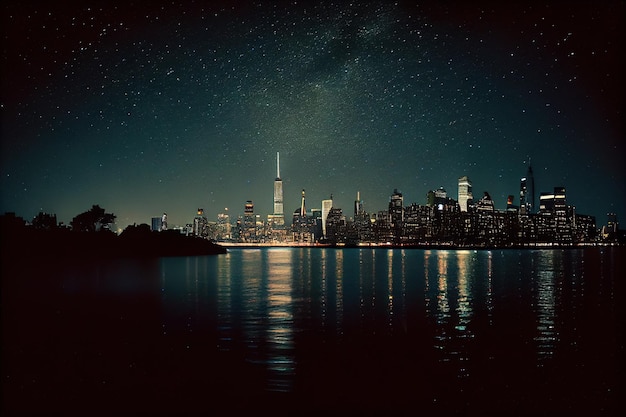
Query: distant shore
[436,246]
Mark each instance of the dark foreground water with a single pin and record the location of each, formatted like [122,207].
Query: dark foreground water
[317,332]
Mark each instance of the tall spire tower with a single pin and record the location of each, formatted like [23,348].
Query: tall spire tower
[278,189]
[358,205]
[302,206]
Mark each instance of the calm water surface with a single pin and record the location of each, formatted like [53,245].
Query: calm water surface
[318,331]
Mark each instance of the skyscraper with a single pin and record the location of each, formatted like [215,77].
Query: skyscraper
[527,192]
[248,234]
[302,206]
[164,222]
[465,192]
[278,189]
[326,206]
[531,188]
[300,225]
[358,205]
[200,224]
[223,225]
[277,219]
[396,213]
[396,207]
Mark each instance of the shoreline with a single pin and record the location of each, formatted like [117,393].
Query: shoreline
[548,246]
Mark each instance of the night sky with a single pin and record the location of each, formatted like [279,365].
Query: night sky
[180,105]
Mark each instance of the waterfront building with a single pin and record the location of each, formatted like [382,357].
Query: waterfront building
[418,221]
[487,222]
[585,228]
[248,227]
[315,224]
[259,228]
[382,228]
[610,231]
[396,214]
[556,221]
[336,226]
[564,216]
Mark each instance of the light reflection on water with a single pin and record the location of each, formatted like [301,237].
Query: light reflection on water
[280,358]
[454,306]
[549,266]
[259,301]
[318,331]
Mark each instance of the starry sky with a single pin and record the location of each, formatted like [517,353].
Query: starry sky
[180,105]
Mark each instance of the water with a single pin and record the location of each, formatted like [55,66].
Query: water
[318,331]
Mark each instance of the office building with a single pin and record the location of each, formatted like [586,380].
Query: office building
[300,227]
[223,226]
[200,224]
[326,206]
[248,228]
[358,205]
[396,214]
[527,192]
[465,193]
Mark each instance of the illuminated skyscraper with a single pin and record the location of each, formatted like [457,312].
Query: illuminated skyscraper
[278,189]
[299,214]
[276,221]
[326,206]
[358,205]
[300,225]
[302,207]
[248,233]
[396,208]
[527,192]
[223,225]
[441,198]
[465,192]
[200,224]
[396,213]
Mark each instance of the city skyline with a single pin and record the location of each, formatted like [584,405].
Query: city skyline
[464,182]
[180,106]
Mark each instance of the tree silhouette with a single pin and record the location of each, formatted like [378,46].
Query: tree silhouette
[45,221]
[94,220]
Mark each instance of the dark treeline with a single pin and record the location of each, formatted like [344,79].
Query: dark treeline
[90,237]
